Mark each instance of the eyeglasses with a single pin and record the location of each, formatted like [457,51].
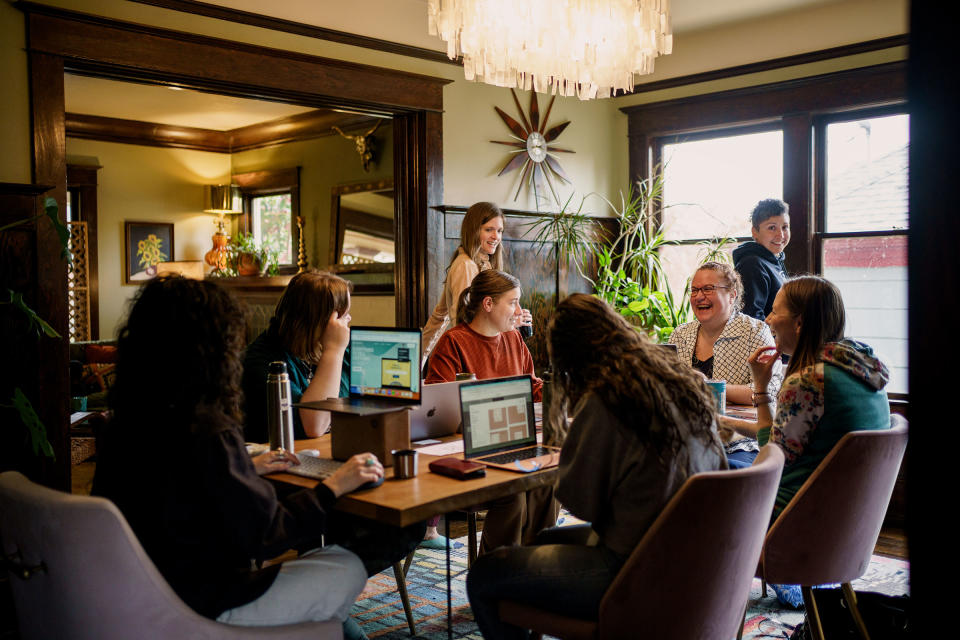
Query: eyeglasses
[707,290]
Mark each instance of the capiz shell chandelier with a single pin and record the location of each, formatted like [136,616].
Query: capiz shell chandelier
[587,48]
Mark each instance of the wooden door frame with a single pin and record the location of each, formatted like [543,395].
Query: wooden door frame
[61,41]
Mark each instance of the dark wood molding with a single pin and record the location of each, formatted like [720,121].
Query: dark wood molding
[300,29]
[85,179]
[59,41]
[869,86]
[776,63]
[307,126]
[126,50]
[148,134]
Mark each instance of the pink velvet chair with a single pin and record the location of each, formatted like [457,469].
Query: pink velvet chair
[828,532]
[77,571]
[690,575]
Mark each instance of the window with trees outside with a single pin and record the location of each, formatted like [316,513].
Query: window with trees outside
[271,204]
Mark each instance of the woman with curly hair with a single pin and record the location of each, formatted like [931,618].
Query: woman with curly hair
[640,427]
[173,460]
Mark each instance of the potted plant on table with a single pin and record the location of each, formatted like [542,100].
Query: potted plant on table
[248,258]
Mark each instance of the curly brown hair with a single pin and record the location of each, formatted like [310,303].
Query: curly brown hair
[593,349]
[179,352]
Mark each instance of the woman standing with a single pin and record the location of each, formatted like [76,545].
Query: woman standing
[481,248]
[760,263]
[641,426]
[719,342]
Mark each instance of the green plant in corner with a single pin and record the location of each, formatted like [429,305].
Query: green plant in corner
[28,416]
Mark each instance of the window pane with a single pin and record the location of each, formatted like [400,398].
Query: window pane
[273,224]
[710,186]
[360,248]
[872,276]
[867,169]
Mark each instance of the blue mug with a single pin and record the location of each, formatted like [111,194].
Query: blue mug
[719,390]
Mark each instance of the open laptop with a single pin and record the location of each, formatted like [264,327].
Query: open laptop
[384,372]
[439,412]
[498,425]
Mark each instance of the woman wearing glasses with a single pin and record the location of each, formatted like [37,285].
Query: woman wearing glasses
[719,342]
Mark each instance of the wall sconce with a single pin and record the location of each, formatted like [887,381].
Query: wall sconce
[221,199]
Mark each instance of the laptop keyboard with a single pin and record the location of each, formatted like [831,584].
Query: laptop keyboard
[523,454]
[314,467]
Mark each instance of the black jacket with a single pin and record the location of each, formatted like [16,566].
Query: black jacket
[762,274]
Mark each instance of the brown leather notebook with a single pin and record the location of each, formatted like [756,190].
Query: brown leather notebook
[457,468]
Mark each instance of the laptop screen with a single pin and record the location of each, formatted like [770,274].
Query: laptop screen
[497,414]
[384,363]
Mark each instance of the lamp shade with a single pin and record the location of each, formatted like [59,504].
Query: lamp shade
[222,198]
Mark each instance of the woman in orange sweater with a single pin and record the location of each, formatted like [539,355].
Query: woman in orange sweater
[485,342]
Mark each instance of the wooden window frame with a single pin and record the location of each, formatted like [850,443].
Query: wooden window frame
[267,183]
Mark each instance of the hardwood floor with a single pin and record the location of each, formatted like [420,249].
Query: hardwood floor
[893,543]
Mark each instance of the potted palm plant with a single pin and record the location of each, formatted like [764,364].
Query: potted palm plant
[628,272]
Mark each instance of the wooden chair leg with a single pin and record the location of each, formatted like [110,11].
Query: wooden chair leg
[471,538]
[744,623]
[851,597]
[813,618]
[401,580]
[763,587]
[408,562]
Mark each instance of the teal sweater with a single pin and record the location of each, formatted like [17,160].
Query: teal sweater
[842,392]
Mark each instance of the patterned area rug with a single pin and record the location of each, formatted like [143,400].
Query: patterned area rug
[380,612]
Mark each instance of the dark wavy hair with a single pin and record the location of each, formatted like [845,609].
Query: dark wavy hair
[180,352]
[593,349]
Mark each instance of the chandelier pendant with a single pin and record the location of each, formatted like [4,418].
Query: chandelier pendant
[587,48]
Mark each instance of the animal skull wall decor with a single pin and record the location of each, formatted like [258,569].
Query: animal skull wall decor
[365,144]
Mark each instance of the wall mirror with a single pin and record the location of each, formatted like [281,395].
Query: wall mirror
[362,233]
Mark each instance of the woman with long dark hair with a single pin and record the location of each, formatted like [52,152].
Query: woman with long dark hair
[640,427]
[832,385]
[173,460]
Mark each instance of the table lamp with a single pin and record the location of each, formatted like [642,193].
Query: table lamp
[221,199]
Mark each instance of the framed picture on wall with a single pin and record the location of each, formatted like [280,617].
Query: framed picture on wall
[146,244]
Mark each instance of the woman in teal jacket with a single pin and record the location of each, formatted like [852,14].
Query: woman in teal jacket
[833,385]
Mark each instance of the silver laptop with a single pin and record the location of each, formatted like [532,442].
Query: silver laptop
[499,428]
[384,372]
[439,412]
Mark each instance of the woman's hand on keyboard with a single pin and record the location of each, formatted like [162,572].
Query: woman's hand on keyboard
[274,461]
[360,469]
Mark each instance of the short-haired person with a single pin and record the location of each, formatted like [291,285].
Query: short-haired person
[760,262]
[719,342]
[485,342]
[481,248]
[310,332]
[833,385]
[197,504]
[640,427]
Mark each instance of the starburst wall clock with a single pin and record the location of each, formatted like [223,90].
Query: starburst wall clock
[532,138]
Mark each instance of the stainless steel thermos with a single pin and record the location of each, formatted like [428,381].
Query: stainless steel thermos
[279,407]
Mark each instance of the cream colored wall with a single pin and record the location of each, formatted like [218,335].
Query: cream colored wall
[14,101]
[146,184]
[324,163]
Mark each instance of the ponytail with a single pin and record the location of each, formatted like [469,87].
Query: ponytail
[490,283]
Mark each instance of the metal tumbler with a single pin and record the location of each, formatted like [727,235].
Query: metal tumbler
[279,408]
